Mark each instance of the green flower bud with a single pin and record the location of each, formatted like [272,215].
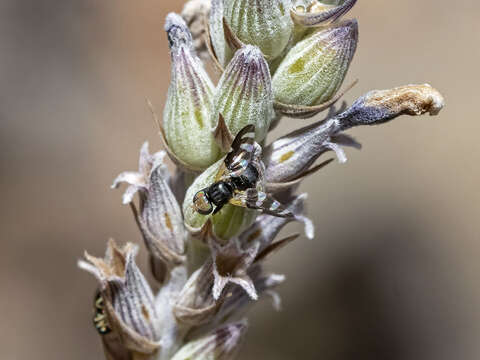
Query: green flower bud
[223,53]
[314,69]
[264,23]
[244,93]
[230,221]
[187,113]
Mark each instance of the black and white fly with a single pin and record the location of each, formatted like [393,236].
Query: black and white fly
[240,180]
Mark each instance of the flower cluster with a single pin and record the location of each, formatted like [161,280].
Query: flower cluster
[278,58]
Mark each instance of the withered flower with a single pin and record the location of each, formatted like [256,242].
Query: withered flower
[129,301]
[221,344]
[159,216]
[294,153]
[230,265]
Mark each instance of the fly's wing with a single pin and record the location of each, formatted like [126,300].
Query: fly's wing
[244,149]
[254,199]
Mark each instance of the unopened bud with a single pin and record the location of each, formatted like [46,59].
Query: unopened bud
[186,117]
[264,23]
[244,93]
[314,69]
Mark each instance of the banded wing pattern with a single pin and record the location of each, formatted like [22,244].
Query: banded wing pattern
[244,150]
[254,199]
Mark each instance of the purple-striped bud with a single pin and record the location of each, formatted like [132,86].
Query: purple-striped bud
[244,93]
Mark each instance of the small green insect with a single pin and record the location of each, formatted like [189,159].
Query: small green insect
[100,318]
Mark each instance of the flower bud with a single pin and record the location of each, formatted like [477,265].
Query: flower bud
[264,23]
[223,52]
[226,223]
[221,344]
[186,117]
[244,93]
[314,69]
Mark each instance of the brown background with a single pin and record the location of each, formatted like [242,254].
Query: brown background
[393,272]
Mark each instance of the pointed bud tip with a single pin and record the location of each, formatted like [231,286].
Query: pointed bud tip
[177,31]
[346,30]
[251,52]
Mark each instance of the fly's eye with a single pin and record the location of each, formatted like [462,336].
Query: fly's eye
[201,203]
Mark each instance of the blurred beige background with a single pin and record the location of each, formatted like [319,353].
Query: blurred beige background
[393,273]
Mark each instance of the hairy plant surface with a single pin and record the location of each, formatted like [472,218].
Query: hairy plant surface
[278,59]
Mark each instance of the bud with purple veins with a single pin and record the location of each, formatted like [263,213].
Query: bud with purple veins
[244,93]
